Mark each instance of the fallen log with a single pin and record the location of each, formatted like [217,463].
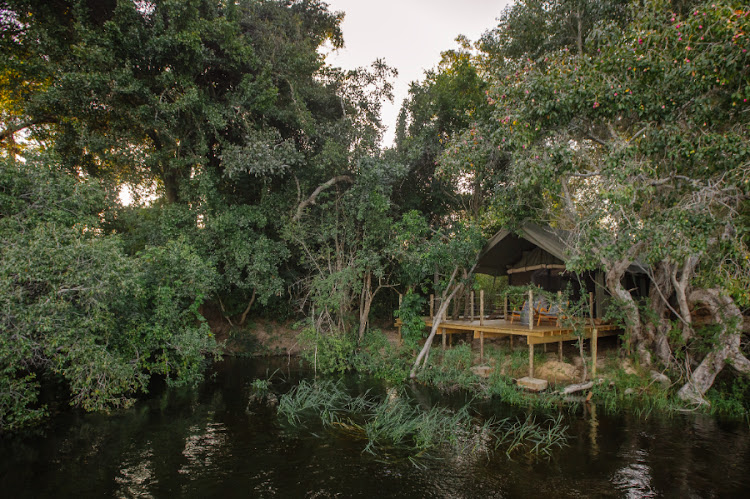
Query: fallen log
[577,387]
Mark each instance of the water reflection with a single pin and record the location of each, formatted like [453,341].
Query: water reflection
[201,443]
[202,447]
[635,478]
[136,475]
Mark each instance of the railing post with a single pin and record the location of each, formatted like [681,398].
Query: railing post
[505,307]
[481,307]
[591,305]
[531,309]
[472,306]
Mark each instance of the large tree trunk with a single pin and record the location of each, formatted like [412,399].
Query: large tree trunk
[680,283]
[727,315]
[661,290]
[615,272]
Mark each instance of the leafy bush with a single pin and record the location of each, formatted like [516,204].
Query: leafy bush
[410,313]
[379,359]
[328,353]
[77,306]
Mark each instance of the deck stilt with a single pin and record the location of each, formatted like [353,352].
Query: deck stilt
[531,360]
[559,351]
[442,332]
[594,345]
[481,347]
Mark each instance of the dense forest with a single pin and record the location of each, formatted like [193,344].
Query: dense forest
[260,187]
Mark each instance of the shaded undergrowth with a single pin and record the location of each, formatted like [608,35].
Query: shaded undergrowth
[395,425]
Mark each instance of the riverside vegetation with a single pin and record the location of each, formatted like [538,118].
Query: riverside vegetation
[258,188]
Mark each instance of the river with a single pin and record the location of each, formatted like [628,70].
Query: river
[202,442]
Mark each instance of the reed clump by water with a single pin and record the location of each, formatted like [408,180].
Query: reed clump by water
[396,424]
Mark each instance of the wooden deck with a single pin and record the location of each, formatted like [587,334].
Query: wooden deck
[535,334]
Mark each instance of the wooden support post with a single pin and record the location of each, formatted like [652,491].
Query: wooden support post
[471,299]
[481,307]
[544,347]
[442,332]
[531,360]
[481,347]
[432,307]
[531,309]
[594,345]
[450,340]
[505,308]
[560,351]
[591,305]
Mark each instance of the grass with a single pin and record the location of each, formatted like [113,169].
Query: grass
[395,424]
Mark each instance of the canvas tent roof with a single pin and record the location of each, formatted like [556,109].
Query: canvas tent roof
[510,251]
[534,260]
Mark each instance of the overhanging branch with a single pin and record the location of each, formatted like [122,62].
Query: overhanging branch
[311,200]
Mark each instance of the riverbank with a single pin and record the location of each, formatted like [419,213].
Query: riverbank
[619,383]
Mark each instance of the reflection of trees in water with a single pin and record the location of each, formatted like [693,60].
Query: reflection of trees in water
[148,449]
[693,457]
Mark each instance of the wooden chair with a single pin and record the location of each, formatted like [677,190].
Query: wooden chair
[552,313]
[516,314]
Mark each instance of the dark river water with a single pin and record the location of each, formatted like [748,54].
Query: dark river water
[203,443]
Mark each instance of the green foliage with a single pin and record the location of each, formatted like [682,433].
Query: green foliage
[328,353]
[451,369]
[424,252]
[77,306]
[396,423]
[633,392]
[730,397]
[379,359]
[412,324]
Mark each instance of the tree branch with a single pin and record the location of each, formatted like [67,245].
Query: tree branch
[311,200]
[12,129]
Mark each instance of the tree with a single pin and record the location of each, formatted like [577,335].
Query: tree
[450,99]
[528,29]
[641,149]
[344,232]
[441,259]
[142,91]
[77,307]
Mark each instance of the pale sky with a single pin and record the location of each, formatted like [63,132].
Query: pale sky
[409,35]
